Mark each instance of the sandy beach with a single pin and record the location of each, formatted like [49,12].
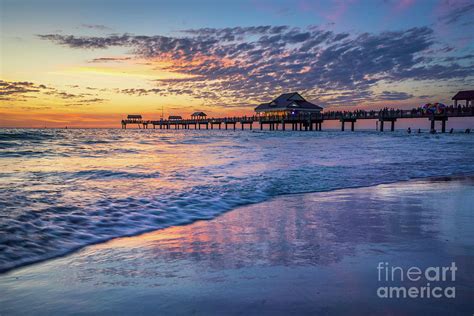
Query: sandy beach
[311,253]
[250,157]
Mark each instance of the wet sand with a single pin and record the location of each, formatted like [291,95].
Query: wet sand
[301,254]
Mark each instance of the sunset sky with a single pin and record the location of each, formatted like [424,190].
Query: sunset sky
[89,63]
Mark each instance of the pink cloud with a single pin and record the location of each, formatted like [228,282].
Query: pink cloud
[402,5]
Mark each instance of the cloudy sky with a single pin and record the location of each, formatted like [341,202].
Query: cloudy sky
[89,63]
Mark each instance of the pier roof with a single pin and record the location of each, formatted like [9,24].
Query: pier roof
[288,101]
[464,95]
[134,116]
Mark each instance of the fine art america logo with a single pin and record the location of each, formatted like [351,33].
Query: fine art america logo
[414,282]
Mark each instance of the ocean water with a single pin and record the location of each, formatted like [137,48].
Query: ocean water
[64,189]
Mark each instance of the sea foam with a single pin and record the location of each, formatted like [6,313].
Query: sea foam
[61,190]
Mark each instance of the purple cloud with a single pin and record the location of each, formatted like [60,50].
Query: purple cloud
[242,64]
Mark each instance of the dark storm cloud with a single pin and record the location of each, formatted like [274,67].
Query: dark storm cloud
[243,64]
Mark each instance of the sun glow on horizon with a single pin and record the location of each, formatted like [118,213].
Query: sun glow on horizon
[69,70]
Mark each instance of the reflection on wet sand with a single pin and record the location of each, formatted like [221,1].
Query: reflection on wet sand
[299,230]
[308,253]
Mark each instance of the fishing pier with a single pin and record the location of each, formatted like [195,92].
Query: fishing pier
[311,122]
[292,112]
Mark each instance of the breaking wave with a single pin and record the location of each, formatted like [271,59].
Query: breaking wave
[67,189]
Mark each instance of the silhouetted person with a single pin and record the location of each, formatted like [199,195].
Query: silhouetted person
[468,131]
[409,130]
[419,130]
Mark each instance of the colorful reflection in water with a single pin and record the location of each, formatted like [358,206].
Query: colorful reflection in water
[313,253]
[63,189]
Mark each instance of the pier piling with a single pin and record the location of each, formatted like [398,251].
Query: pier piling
[305,121]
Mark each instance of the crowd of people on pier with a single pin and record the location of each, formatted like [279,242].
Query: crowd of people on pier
[391,112]
[384,112]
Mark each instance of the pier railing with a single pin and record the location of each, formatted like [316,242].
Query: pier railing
[307,120]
